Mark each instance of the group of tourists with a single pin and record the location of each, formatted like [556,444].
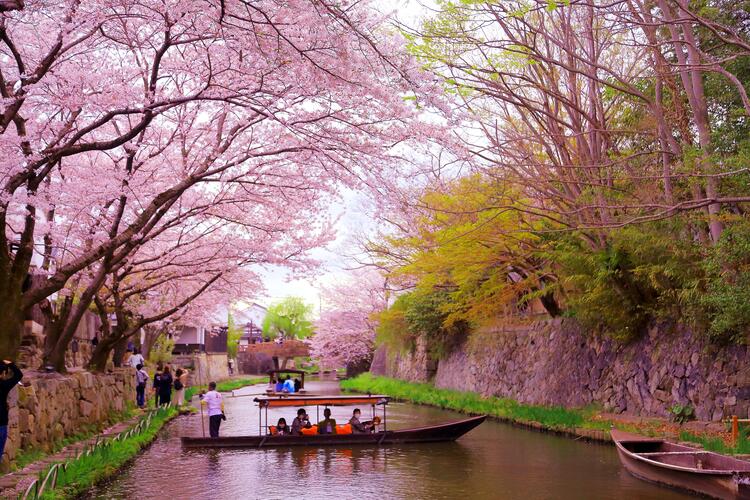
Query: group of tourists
[325,426]
[165,381]
[286,385]
[163,384]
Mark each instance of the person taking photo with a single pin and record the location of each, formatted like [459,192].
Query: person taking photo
[10,375]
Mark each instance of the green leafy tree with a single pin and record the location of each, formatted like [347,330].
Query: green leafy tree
[421,313]
[162,350]
[289,318]
[642,274]
[234,333]
[726,300]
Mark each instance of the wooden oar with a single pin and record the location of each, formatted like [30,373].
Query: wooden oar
[203,425]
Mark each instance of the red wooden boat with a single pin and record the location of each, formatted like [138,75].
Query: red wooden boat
[683,467]
[442,432]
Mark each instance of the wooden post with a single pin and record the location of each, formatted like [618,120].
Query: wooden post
[735,430]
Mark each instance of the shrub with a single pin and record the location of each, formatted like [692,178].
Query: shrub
[641,274]
[682,413]
[727,297]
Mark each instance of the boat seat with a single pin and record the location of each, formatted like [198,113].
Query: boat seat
[311,431]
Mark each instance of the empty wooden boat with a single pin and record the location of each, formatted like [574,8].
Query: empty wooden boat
[683,467]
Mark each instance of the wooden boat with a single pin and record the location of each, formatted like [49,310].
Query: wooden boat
[274,375]
[433,433]
[683,467]
[442,432]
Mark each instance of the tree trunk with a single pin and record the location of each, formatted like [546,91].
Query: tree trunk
[100,356]
[119,351]
[52,355]
[152,334]
[11,325]
[550,304]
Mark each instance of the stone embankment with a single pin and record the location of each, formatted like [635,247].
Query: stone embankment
[50,406]
[557,363]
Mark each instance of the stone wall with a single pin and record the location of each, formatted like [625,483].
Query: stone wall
[32,342]
[50,406]
[254,363]
[556,363]
[414,366]
[203,367]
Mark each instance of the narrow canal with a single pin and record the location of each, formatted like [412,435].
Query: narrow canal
[494,461]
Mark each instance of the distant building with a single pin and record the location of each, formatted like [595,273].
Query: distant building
[193,339]
[213,339]
[250,319]
[189,340]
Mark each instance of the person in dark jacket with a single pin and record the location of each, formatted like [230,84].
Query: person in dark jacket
[157,383]
[300,422]
[165,386]
[10,375]
[359,427]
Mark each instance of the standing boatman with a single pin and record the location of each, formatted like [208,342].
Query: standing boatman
[215,404]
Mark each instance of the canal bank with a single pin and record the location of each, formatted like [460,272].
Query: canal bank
[81,465]
[83,472]
[579,423]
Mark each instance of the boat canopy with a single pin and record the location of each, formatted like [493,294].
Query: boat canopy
[290,370]
[283,401]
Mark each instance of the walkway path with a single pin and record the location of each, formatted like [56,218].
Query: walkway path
[15,483]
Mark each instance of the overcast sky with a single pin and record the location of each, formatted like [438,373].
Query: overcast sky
[352,219]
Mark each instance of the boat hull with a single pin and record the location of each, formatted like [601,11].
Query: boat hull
[725,484]
[444,432]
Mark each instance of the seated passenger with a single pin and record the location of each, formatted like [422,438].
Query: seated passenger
[327,425]
[282,429]
[288,385]
[300,422]
[279,385]
[360,427]
[297,385]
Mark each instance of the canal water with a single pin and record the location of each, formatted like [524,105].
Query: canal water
[494,461]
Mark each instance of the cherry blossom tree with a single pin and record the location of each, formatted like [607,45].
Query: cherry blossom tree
[345,331]
[188,99]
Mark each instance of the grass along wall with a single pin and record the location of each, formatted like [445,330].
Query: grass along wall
[556,363]
[50,407]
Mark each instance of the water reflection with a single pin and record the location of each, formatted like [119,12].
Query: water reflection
[494,461]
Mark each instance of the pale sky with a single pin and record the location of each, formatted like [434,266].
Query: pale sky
[352,219]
